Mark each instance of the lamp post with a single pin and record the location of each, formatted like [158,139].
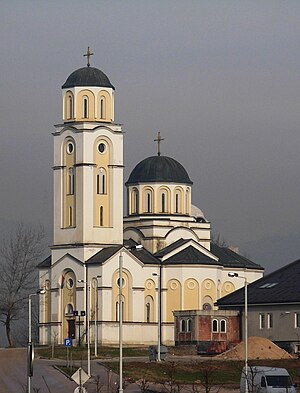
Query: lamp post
[87,316]
[120,322]
[137,247]
[30,353]
[158,315]
[96,313]
[232,274]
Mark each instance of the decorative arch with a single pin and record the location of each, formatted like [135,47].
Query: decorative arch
[191,294]
[134,198]
[47,301]
[69,183]
[102,181]
[150,300]
[126,293]
[148,200]
[164,199]
[69,106]
[227,288]
[85,105]
[209,292]
[178,200]
[174,298]
[67,285]
[149,309]
[104,106]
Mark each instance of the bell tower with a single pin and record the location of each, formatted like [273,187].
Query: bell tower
[88,166]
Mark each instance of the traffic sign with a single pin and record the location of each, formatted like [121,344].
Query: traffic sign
[67,342]
[80,376]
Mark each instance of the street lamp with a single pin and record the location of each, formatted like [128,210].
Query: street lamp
[87,316]
[158,315]
[232,274]
[96,312]
[138,247]
[30,353]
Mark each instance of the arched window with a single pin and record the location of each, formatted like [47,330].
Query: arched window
[187,200]
[176,202]
[71,182]
[70,107]
[148,202]
[85,109]
[102,107]
[182,325]
[223,326]
[101,216]
[70,216]
[189,325]
[148,312]
[69,310]
[135,201]
[118,311]
[215,326]
[101,181]
[163,202]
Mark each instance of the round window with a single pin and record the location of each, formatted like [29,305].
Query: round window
[123,282]
[70,147]
[70,283]
[101,147]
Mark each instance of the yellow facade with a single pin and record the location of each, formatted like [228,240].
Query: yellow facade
[102,183]
[191,294]
[69,186]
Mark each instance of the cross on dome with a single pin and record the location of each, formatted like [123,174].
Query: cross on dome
[88,54]
[158,140]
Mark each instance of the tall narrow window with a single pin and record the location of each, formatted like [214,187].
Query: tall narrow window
[85,107]
[261,321]
[223,326]
[101,182]
[70,216]
[189,325]
[71,181]
[135,201]
[102,107]
[163,202]
[148,312]
[297,320]
[269,320]
[148,202]
[176,203]
[70,107]
[215,326]
[101,216]
[182,325]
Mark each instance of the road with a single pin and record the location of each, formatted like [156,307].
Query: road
[13,374]
[47,379]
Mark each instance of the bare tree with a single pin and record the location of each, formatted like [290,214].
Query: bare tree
[20,252]
[208,371]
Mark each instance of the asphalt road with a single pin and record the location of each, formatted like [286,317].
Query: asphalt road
[46,379]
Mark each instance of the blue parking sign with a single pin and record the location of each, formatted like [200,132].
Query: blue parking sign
[67,342]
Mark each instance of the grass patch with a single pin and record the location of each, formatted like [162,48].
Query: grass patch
[78,353]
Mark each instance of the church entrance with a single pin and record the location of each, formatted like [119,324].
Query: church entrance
[71,328]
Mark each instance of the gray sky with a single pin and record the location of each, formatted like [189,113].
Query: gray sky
[218,79]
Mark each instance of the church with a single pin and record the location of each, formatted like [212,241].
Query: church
[161,253]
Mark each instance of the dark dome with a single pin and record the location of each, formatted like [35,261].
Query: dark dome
[159,169]
[87,76]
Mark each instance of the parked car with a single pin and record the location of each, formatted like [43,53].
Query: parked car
[262,379]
